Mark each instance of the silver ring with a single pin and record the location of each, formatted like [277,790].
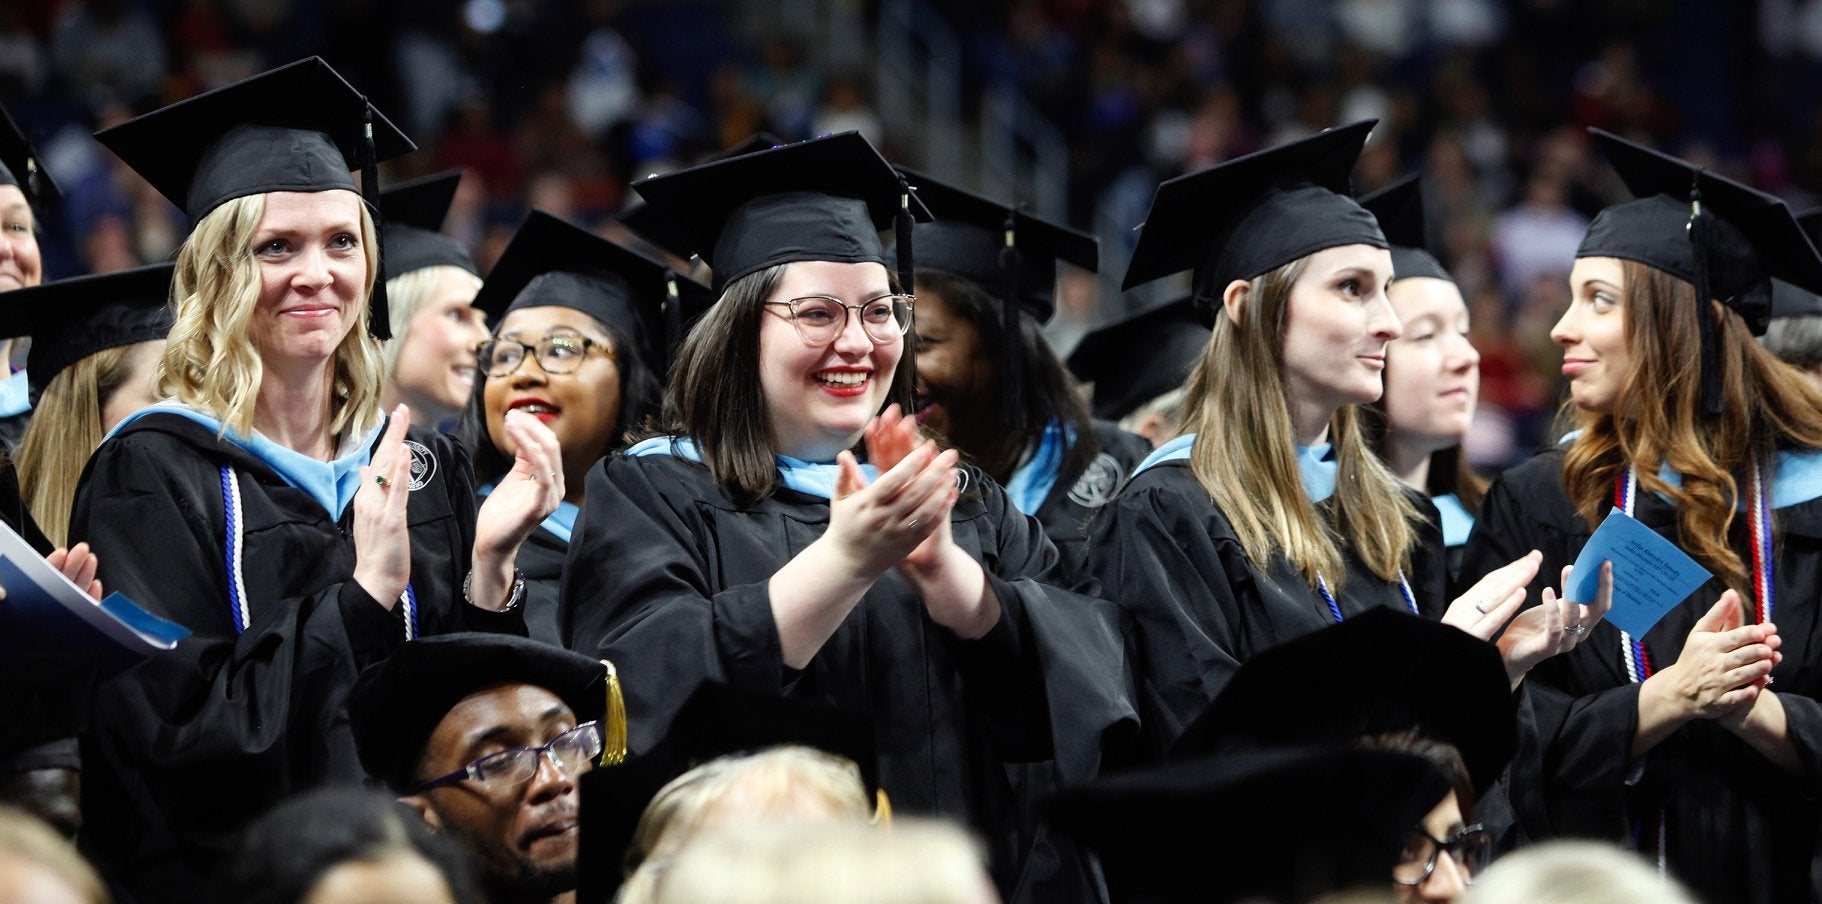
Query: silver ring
[1479,608]
[1577,630]
[913,523]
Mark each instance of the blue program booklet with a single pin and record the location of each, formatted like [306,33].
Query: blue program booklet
[44,612]
[1651,576]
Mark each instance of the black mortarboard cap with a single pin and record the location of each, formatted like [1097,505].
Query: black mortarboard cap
[1788,300]
[1142,356]
[1255,213]
[550,262]
[1010,254]
[820,200]
[1287,825]
[716,720]
[651,225]
[969,238]
[1724,238]
[1380,671]
[71,319]
[413,213]
[63,753]
[397,703]
[300,127]
[1399,209]
[20,166]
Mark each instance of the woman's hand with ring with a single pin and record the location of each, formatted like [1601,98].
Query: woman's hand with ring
[1494,599]
[1554,626]
[382,536]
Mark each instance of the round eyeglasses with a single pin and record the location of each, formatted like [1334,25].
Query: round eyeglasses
[557,353]
[1471,848]
[573,751]
[819,319]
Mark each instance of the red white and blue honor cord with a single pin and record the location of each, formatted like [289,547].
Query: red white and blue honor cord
[1633,653]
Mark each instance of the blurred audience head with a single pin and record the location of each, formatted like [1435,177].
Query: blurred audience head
[792,783]
[837,862]
[1575,872]
[343,846]
[38,866]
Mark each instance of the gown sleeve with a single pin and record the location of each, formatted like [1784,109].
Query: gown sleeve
[638,589]
[192,744]
[1054,674]
[456,482]
[1571,771]
[1176,581]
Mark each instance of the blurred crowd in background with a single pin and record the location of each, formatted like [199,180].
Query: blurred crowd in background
[559,104]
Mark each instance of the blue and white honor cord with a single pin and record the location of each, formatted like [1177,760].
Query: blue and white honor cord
[1404,588]
[238,610]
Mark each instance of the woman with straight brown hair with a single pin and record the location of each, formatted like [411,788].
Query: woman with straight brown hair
[1270,517]
[1676,742]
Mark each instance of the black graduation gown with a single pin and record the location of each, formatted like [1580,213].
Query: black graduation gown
[1198,606]
[541,561]
[12,427]
[669,579]
[47,695]
[187,747]
[1075,498]
[1738,828]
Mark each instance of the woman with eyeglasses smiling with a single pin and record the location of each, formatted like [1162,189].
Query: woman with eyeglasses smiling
[750,546]
[580,344]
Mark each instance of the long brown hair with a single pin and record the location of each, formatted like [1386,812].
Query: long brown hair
[1245,453]
[1657,418]
[716,399]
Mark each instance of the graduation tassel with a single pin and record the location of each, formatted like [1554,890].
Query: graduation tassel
[1700,231]
[673,320]
[35,180]
[907,284]
[613,722]
[901,231]
[1012,352]
[379,320]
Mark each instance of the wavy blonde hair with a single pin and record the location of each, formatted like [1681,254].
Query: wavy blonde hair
[1245,453]
[65,429]
[209,362]
[1657,417]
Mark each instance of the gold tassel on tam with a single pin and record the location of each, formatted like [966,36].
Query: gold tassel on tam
[613,722]
[882,808]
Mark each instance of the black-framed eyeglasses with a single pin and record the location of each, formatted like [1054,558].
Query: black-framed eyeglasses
[821,318]
[557,353]
[574,751]
[1471,848]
